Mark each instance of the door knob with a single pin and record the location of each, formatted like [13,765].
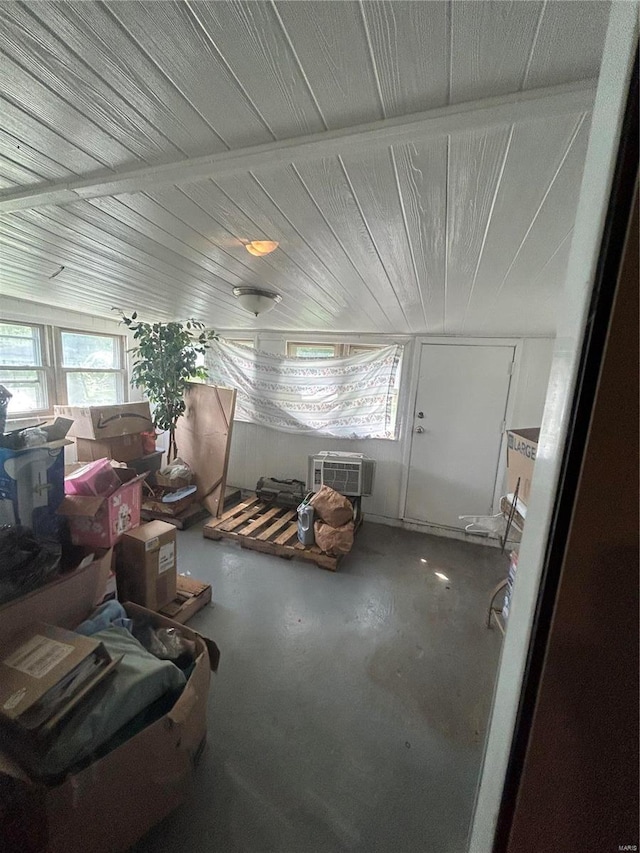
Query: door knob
[419,429]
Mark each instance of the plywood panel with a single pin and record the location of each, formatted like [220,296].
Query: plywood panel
[250,40]
[203,438]
[108,278]
[374,183]
[278,199]
[21,87]
[476,160]
[422,178]
[410,51]
[490,46]
[173,36]
[328,185]
[96,251]
[210,213]
[48,58]
[100,43]
[517,202]
[52,142]
[569,43]
[37,165]
[330,43]
[550,223]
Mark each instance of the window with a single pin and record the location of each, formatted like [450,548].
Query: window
[296,350]
[304,350]
[91,368]
[22,368]
[42,366]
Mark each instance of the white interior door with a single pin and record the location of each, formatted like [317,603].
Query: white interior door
[457,431]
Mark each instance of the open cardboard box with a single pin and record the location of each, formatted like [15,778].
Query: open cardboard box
[107,806]
[99,522]
[63,601]
[522,446]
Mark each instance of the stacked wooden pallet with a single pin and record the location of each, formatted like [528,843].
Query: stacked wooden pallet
[267,528]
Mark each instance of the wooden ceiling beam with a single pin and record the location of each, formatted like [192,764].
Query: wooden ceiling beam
[573,98]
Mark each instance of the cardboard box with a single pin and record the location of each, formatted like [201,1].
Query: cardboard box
[123,448]
[146,565]
[40,658]
[522,445]
[32,487]
[63,601]
[100,422]
[107,806]
[97,522]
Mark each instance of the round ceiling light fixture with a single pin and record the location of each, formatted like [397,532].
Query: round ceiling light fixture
[261,247]
[256,301]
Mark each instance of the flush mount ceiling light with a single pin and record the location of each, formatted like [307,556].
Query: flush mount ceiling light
[261,247]
[255,300]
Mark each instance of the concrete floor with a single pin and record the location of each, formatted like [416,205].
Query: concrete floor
[350,708]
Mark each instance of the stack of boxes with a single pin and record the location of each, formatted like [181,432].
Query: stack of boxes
[139,781]
[146,564]
[124,433]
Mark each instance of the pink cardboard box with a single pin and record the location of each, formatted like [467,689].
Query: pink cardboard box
[98,522]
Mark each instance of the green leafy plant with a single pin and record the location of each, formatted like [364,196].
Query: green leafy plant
[164,361]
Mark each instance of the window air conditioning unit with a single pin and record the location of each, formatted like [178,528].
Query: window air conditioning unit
[350,474]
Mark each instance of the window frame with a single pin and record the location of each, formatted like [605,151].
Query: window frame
[55,374]
[62,372]
[339,350]
[45,368]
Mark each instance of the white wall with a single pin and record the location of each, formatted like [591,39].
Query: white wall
[259,451]
[531,381]
[21,310]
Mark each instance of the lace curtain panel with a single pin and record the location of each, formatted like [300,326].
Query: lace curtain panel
[351,397]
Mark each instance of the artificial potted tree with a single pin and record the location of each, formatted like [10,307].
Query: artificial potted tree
[165,359]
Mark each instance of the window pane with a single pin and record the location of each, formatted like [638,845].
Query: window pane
[242,342]
[311,350]
[28,387]
[93,351]
[19,345]
[93,389]
[360,349]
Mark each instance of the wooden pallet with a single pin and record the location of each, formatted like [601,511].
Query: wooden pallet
[192,515]
[267,528]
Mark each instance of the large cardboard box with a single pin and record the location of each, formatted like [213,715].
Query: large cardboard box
[32,487]
[107,806]
[63,601]
[522,445]
[97,522]
[100,422]
[146,566]
[123,448]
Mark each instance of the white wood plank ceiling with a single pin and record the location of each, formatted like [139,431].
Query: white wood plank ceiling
[143,143]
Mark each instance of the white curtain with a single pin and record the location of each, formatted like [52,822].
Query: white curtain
[352,397]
